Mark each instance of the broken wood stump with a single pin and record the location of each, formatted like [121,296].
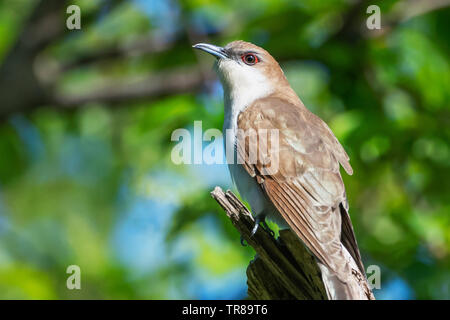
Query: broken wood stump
[282,268]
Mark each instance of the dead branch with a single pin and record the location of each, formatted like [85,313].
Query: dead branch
[282,268]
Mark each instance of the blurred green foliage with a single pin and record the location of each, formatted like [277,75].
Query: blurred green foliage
[94,185]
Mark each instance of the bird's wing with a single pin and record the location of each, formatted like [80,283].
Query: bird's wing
[305,186]
[348,238]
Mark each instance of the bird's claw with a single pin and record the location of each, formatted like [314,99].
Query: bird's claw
[258,220]
[255,227]
[243,241]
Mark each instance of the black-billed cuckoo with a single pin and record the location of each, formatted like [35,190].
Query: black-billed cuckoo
[305,192]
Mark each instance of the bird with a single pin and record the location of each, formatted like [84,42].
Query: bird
[299,185]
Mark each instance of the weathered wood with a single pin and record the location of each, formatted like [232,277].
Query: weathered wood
[283,268]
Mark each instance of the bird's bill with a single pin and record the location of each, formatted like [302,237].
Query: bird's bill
[216,51]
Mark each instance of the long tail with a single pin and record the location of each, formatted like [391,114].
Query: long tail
[355,287]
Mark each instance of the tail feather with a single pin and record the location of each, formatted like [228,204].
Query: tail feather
[354,287]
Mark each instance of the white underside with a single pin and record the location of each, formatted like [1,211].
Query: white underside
[236,101]
[243,85]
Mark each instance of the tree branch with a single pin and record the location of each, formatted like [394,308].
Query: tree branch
[152,87]
[283,268]
[142,45]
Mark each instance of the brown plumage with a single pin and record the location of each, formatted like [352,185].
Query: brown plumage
[304,190]
[307,189]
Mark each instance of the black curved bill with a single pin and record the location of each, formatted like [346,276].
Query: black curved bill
[218,52]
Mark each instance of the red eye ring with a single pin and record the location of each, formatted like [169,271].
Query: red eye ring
[250,59]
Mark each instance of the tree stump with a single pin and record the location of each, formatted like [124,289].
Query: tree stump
[283,268]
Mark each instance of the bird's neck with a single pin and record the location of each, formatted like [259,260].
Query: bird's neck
[237,99]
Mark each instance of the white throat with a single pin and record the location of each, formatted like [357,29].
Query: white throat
[242,85]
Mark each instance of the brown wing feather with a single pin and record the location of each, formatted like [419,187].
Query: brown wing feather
[348,238]
[307,189]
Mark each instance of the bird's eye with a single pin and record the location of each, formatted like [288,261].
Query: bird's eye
[250,59]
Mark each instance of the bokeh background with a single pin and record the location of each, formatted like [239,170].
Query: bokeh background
[86,118]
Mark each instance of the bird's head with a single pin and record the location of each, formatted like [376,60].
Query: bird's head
[243,66]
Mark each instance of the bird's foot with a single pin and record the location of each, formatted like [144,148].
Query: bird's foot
[256,226]
[243,241]
[259,219]
[262,219]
